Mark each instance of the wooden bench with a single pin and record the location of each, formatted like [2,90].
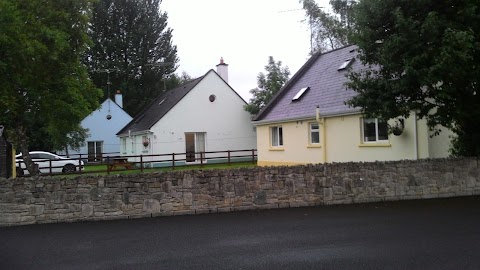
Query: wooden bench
[119,162]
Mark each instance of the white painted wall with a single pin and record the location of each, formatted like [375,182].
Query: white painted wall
[226,124]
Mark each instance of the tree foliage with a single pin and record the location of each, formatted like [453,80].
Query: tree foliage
[132,46]
[268,85]
[44,87]
[329,30]
[425,58]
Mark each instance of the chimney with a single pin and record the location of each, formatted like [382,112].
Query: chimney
[222,70]
[119,99]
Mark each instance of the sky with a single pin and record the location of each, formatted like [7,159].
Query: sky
[244,32]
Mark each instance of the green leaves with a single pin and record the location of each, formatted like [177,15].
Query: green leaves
[44,88]
[268,85]
[329,31]
[425,58]
[132,40]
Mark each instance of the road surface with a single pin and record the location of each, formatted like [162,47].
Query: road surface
[430,234]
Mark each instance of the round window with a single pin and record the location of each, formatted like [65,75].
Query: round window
[212,98]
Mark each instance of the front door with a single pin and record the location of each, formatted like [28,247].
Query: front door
[95,151]
[194,146]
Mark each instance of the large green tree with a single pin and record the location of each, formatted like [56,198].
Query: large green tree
[44,87]
[268,85]
[425,58]
[329,30]
[132,46]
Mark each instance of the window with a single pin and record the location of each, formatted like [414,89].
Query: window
[346,64]
[374,130]
[314,133]
[300,93]
[124,145]
[277,136]
[95,150]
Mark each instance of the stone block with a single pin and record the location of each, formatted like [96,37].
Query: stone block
[260,198]
[151,206]
[87,210]
[167,207]
[187,198]
[36,210]
[10,218]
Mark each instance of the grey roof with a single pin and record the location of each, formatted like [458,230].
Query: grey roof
[159,107]
[326,89]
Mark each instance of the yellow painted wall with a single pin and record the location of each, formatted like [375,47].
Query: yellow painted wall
[296,149]
[439,145]
[344,143]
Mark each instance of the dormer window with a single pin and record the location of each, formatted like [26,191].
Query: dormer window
[300,93]
[346,64]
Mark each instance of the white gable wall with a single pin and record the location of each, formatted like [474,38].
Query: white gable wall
[226,124]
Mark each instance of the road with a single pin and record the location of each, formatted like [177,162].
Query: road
[430,234]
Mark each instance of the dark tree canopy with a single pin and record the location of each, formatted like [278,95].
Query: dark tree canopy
[133,45]
[425,57]
[268,85]
[44,87]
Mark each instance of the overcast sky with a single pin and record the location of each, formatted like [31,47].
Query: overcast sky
[244,32]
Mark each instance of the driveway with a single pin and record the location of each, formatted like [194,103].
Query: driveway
[430,234]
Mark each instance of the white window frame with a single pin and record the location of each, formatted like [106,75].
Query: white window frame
[276,135]
[311,130]
[377,140]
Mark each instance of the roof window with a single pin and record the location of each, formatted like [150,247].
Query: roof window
[300,93]
[346,64]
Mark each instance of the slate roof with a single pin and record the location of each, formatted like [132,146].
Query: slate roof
[159,107]
[326,89]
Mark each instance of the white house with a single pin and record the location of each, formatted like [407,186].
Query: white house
[103,125]
[203,115]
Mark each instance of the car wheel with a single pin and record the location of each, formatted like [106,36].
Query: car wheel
[69,168]
[19,171]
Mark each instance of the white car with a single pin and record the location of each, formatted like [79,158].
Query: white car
[48,162]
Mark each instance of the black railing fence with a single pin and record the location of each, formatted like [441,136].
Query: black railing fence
[76,165]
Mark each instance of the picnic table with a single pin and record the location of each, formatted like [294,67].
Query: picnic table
[119,162]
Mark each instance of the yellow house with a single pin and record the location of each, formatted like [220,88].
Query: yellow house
[307,121]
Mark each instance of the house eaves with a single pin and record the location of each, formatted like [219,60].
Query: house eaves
[304,118]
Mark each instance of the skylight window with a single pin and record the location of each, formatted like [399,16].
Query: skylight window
[346,64]
[300,93]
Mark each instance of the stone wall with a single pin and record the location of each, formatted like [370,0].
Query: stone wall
[57,199]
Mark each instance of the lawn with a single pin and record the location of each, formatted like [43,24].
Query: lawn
[101,169]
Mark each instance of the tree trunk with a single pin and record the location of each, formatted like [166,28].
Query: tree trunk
[23,146]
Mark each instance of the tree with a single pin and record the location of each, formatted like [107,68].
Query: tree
[44,87]
[329,31]
[132,50]
[268,85]
[425,59]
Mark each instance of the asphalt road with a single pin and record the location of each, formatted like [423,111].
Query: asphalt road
[432,234]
